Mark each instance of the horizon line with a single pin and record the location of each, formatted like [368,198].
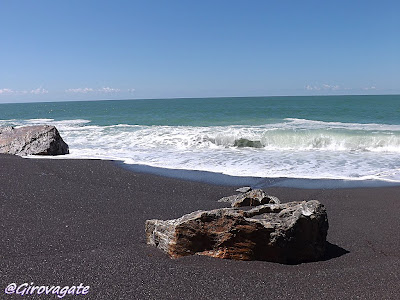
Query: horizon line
[209,97]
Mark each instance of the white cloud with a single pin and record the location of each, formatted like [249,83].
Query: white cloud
[312,88]
[6,91]
[324,87]
[39,91]
[80,90]
[13,92]
[108,90]
[330,87]
[87,90]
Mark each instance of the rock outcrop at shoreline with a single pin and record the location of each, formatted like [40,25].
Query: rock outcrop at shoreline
[32,140]
[289,233]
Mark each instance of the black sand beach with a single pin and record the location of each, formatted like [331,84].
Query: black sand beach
[66,222]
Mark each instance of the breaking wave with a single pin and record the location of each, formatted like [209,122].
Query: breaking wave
[288,148]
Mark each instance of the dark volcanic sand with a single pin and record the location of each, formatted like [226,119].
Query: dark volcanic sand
[65,222]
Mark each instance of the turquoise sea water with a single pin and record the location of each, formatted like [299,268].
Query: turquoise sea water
[332,137]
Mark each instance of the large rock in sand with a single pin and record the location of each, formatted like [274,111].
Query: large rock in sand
[287,233]
[32,140]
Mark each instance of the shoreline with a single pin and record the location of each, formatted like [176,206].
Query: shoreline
[70,221]
[255,182]
[214,178]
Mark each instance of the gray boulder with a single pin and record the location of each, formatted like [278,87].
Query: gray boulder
[32,140]
[287,233]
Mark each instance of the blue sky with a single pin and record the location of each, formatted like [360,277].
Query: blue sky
[86,50]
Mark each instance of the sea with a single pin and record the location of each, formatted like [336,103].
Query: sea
[343,139]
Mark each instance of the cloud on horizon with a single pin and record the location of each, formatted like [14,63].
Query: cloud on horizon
[85,90]
[6,91]
[331,87]
[38,91]
[80,90]
[106,90]
[323,87]
[369,88]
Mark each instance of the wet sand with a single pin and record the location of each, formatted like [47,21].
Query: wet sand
[66,222]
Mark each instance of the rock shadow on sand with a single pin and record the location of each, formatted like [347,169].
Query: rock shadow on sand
[333,251]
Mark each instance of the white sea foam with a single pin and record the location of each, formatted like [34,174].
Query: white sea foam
[38,121]
[292,148]
[352,126]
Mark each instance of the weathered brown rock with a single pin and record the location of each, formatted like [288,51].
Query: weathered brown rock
[32,140]
[288,233]
[250,198]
